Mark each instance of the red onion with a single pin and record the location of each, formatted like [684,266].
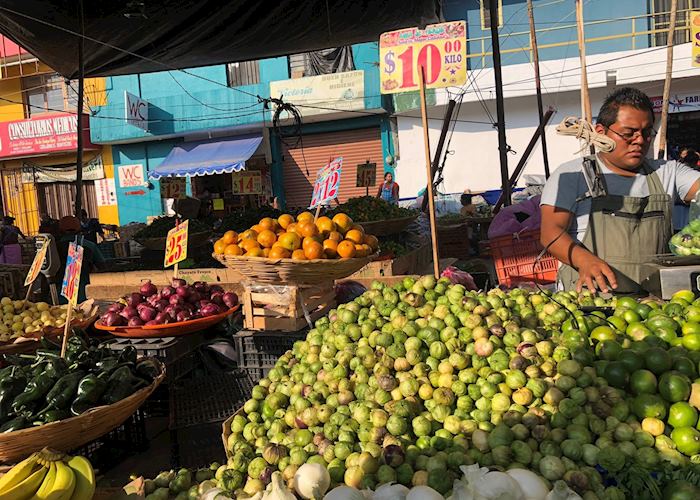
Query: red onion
[153,299]
[128,312]
[161,305]
[210,310]
[182,291]
[200,286]
[147,289]
[167,291]
[116,307]
[135,321]
[178,282]
[147,313]
[176,300]
[151,323]
[171,310]
[162,318]
[217,298]
[203,303]
[194,297]
[111,318]
[183,315]
[230,299]
[216,288]
[133,299]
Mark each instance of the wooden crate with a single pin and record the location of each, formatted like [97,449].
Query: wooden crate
[405,264]
[286,307]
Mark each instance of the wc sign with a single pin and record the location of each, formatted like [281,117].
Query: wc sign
[136,111]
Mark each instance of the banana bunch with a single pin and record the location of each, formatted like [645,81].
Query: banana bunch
[49,475]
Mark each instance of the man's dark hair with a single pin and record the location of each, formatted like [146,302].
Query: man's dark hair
[625,96]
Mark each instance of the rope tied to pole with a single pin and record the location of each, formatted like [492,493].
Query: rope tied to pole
[584,132]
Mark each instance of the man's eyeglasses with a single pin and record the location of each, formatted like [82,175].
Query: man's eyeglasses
[646,134]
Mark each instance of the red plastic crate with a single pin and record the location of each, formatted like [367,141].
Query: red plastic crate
[514,259]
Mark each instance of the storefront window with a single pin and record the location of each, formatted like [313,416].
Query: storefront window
[46,93]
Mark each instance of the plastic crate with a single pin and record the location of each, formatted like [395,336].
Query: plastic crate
[196,446]
[259,351]
[212,398]
[117,445]
[514,257]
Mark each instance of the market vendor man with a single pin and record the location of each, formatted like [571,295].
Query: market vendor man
[602,242]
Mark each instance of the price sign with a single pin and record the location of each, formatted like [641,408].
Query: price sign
[327,183]
[37,263]
[247,182]
[439,48]
[176,244]
[366,174]
[173,187]
[71,280]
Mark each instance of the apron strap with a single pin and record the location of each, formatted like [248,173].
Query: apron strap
[653,180]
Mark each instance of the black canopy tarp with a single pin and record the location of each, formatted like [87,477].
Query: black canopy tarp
[156,35]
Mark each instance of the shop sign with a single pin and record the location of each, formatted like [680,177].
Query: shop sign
[131,176]
[71,280]
[695,30]
[174,188]
[247,182]
[678,103]
[366,174]
[136,110]
[323,94]
[47,134]
[439,48]
[92,171]
[106,192]
[37,263]
[176,244]
[327,183]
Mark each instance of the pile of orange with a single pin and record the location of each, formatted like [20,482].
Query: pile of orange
[300,239]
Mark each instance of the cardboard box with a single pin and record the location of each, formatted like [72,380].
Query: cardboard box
[409,263]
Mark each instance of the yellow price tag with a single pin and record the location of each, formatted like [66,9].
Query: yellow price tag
[176,244]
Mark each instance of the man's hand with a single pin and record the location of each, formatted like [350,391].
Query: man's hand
[593,272]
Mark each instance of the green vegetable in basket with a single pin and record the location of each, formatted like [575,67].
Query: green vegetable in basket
[15,424]
[90,390]
[63,391]
[36,389]
[11,385]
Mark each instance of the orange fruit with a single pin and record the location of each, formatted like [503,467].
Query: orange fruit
[250,234]
[335,236]
[265,252]
[267,223]
[359,250]
[290,241]
[249,244]
[254,252]
[325,225]
[230,237]
[305,217]
[284,220]
[330,247]
[358,227]
[310,240]
[307,229]
[372,241]
[292,227]
[367,249]
[279,253]
[233,250]
[355,236]
[346,249]
[313,250]
[267,238]
[298,254]
[220,246]
[343,223]
[257,228]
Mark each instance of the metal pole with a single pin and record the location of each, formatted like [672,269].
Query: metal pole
[440,145]
[81,78]
[538,89]
[500,113]
[667,81]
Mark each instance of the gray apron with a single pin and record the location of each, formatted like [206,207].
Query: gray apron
[626,232]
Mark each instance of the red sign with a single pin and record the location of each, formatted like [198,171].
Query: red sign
[44,134]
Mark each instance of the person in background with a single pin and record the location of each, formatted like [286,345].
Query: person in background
[468,208]
[9,233]
[69,231]
[389,190]
[689,157]
[90,227]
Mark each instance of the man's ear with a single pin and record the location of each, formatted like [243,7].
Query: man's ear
[599,128]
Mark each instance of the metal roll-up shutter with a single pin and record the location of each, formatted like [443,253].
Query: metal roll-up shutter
[58,198]
[301,165]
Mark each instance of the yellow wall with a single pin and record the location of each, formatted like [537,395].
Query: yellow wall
[108,214]
[11,89]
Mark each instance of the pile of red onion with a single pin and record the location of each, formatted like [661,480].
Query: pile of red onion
[172,304]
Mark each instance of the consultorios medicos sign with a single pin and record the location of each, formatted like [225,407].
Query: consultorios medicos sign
[42,135]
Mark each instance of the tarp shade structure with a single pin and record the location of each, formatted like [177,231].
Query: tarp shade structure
[220,156]
[173,34]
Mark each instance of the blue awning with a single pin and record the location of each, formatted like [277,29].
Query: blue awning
[217,156]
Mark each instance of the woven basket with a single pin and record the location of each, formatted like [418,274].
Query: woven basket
[71,433]
[226,431]
[289,271]
[387,227]
[194,240]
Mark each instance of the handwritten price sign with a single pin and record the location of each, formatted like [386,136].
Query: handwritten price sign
[173,187]
[176,244]
[247,182]
[38,261]
[327,183]
[440,48]
[71,280]
[366,174]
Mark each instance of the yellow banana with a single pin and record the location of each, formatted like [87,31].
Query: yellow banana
[84,478]
[47,485]
[18,473]
[64,484]
[27,488]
